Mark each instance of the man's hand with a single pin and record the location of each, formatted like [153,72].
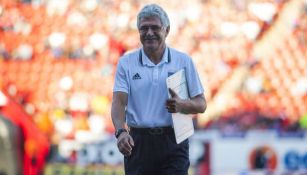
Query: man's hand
[175,103]
[125,143]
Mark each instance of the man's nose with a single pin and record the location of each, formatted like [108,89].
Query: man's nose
[150,31]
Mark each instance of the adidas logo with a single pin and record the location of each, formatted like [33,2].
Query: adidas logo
[136,76]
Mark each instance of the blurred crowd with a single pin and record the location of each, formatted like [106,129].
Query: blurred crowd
[57,59]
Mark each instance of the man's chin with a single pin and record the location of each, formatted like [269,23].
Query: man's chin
[150,48]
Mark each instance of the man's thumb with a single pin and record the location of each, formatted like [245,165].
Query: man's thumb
[131,142]
[173,93]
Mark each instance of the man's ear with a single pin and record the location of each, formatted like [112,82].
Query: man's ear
[167,30]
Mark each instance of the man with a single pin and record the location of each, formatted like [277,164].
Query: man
[141,110]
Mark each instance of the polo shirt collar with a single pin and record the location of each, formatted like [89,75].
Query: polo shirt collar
[145,61]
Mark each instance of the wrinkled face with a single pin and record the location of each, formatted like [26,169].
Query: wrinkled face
[152,34]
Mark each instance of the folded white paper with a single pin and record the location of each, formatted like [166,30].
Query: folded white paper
[182,123]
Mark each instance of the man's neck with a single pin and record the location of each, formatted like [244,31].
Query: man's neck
[155,56]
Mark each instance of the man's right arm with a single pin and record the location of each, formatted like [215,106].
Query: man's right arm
[124,140]
[119,103]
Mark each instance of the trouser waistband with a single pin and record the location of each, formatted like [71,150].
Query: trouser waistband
[153,131]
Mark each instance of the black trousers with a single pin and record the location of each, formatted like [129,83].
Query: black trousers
[157,153]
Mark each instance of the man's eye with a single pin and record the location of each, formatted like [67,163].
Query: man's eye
[145,28]
[155,28]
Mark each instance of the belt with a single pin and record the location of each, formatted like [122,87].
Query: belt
[152,131]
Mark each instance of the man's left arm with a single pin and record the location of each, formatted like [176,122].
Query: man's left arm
[193,105]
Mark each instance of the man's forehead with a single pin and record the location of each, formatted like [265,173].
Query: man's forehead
[150,19]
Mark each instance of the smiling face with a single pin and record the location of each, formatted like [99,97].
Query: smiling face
[152,35]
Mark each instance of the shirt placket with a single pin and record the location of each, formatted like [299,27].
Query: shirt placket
[155,75]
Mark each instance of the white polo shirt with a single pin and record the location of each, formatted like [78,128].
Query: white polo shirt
[145,84]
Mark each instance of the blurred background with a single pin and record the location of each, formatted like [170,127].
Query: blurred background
[57,65]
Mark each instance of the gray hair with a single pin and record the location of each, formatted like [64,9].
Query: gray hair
[153,10]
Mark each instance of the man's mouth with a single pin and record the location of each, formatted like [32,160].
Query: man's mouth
[150,39]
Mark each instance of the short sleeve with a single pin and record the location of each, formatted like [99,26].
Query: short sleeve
[194,84]
[121,79]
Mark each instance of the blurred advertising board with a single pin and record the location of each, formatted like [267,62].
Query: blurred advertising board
[255,152]
[211,153]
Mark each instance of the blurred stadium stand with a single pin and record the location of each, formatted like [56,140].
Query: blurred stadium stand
[58,58]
